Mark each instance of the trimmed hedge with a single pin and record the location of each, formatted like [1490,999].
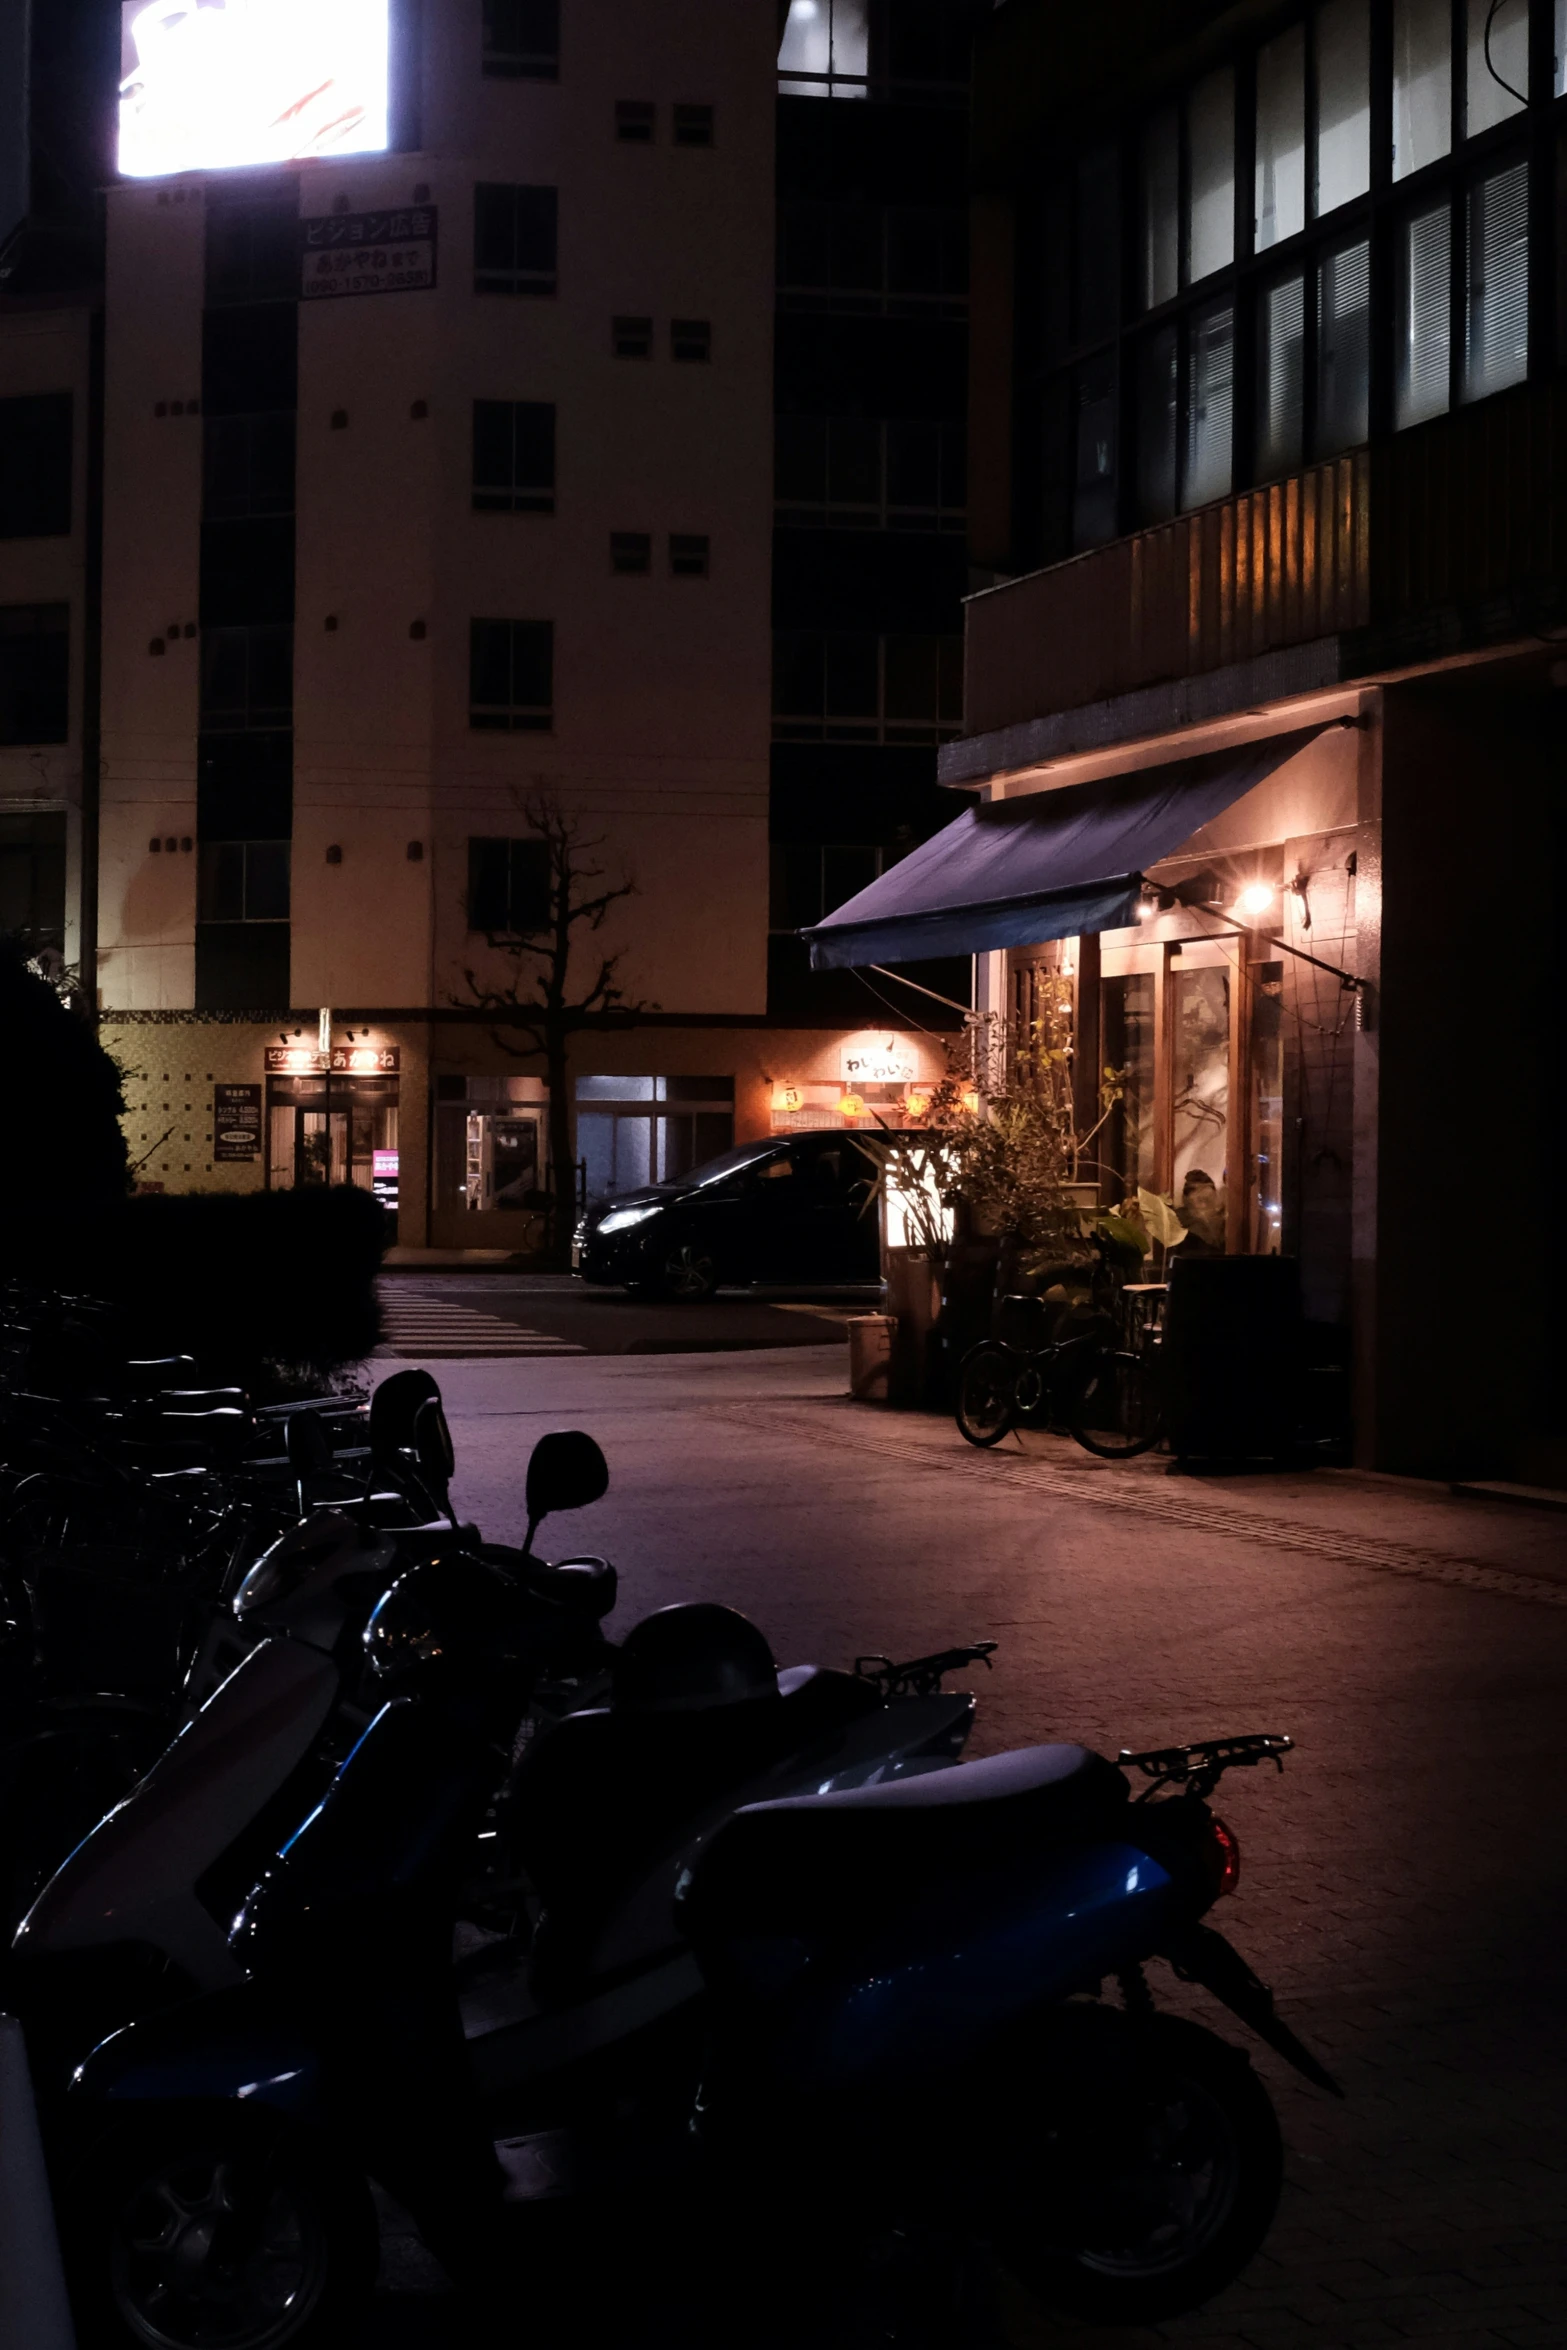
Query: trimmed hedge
[245,1279]
[62,1154]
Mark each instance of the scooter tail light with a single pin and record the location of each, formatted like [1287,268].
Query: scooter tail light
[1226,1856]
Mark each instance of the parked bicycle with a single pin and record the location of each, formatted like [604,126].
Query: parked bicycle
[1082,1355]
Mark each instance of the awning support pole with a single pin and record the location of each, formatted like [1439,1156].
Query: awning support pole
[882,973]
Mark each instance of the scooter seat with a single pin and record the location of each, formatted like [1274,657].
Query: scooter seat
[811,1865]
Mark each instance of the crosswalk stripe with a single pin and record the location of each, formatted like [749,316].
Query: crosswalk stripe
[437,1329]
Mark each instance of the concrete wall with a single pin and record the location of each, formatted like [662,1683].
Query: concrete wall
[1469,1127]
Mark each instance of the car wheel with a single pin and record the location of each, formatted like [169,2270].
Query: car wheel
[688,1272]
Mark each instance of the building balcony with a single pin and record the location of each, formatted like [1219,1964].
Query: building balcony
[1434,542]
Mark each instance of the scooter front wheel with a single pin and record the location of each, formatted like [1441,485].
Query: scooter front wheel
[1172,2208]
[218,2225]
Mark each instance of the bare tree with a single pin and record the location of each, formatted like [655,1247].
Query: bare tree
[535,1012]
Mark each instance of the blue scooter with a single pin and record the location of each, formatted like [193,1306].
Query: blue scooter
[856,1977]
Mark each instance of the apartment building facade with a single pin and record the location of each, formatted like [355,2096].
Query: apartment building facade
[416,486]
[1266,701]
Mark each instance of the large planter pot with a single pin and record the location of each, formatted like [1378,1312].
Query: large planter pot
[914,1301]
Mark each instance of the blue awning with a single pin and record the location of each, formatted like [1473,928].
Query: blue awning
[1055,864]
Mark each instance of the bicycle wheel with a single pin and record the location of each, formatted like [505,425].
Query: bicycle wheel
[1117,1412]
[987,1393]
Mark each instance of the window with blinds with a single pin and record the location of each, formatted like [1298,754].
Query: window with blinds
[1281,384]
[1210,405]
[1496,308]
[1157,414]
[1422,352]
[1343,349]
[1161,222]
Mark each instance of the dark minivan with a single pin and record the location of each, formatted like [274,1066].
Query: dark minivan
[794,1210]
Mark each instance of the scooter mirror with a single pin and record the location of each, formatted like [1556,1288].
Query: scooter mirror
[433,1445]
[307,1444]
[566,1472]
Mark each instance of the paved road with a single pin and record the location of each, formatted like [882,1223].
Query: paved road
[1405,1883]
[436,1317]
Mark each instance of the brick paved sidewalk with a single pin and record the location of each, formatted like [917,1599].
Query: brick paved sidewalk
[1404,1885]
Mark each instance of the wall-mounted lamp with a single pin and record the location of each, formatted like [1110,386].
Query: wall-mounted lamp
[1255,900]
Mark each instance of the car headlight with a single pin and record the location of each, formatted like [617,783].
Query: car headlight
[622,1219]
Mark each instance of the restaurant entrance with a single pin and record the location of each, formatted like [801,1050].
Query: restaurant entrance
[328,1128]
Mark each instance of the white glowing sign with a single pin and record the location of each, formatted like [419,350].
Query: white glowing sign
[209,83]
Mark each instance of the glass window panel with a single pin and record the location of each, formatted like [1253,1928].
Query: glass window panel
[914,452]
[266,881]
[1128,1143]
[1281,346]
[1161,226]
[807,38]
[1496,337]
[850,36]
[1343,160]
[854,462]
[1559,37]
[1210,165]
[1096,293]
[1497,88]
[1055,270]
[1156,426]
[851,676]
[1201,1104]
[1093,498]
[1281,139]
[911,683]
[1423,331]
[222,881]
[800,461]
[1267,1109]
[1210,405]
[1343,349]
[1422,83]
[797,673]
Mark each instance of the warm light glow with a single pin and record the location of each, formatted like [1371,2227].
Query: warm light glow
[787,1097]
[213,83]
[916,1105]
[971,1100]
[1255,899]
[851,1106]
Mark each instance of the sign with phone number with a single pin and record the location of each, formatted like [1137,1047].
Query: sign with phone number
[367,253]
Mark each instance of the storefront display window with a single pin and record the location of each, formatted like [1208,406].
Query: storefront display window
[636,1130]
[491,1145]
[1200,1101]
[329,1130]
[1266,1121]
[1128,1143]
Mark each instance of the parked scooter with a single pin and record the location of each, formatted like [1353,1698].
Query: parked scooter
[140,1912]
[842,1967]
[344,2055]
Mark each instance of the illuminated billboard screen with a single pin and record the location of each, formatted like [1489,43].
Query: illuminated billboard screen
[206,84]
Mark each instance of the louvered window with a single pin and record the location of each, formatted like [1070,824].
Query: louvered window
[1423,330]
[1157,418]
[1496,340]
[1280,200]
[1210,405]
[1343,348]
[1281,343]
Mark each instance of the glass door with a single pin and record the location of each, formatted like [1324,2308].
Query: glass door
[1199,1019]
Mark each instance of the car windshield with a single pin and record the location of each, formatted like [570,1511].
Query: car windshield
[744,1154]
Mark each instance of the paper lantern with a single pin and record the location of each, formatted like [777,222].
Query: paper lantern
[851,1106]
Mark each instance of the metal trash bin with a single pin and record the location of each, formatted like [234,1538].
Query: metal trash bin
[870,1356]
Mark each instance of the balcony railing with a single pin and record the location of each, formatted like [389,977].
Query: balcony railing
[1467,511]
